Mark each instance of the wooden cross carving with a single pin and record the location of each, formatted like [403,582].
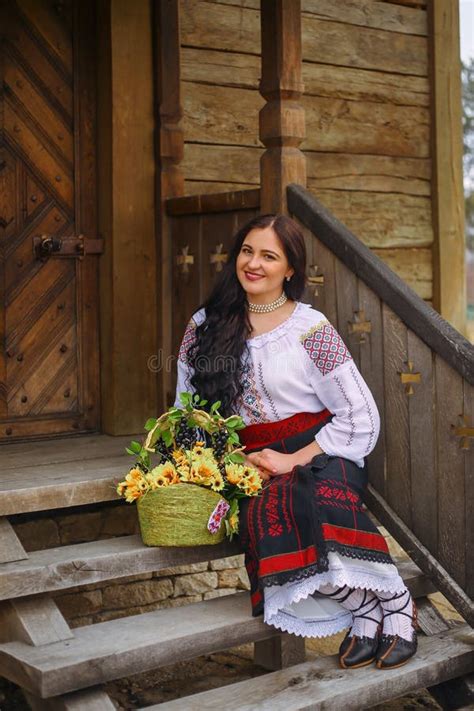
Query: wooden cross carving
[409,378]
[360,325]
[184,259]
[464,431]
[315,279]
[218,257]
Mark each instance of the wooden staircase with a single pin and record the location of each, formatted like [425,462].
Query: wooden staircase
[61,668]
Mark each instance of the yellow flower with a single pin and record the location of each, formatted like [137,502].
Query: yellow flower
[234,522]
[218,482]
[163,475]
[252,483]
[235,473]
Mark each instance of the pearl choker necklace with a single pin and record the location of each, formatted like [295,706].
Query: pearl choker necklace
[266,308]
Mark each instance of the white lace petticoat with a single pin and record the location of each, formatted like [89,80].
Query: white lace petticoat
[298,608]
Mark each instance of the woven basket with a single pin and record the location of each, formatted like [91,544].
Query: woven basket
[177,515]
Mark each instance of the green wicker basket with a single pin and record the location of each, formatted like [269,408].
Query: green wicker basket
[177,515]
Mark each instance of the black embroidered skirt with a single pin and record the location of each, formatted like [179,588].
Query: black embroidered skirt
[309,528]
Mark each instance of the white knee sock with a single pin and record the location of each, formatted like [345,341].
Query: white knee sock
[398,614]
[364,605]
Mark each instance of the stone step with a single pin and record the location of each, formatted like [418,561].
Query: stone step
[122,647]
[57,569]
[322,684]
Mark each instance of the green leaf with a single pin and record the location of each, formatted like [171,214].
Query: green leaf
[167,438]
[233,421]
[150,423]
[130,451]
[136,447]
[215,406]
[234,438]
[186,398]
[203,402]
[237,458]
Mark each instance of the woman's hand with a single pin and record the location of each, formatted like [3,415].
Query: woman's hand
[270,463]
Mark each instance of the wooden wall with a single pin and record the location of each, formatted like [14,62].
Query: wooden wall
[367,113]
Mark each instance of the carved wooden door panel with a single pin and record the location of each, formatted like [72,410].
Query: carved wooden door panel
[48,275]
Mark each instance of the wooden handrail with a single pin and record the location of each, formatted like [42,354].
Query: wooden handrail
[419,316]
[213,202]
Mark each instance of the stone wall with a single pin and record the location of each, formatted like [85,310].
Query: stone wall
[99,602]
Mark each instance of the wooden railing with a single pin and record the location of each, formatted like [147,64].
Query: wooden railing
[421,373]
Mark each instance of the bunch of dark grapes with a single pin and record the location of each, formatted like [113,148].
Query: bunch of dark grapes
[185,436]
[219,442]
[162,449]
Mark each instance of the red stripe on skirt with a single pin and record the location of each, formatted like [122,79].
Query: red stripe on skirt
[350,537]
[287,561]
[264,433]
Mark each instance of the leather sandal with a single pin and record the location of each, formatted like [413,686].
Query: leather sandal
[356,652]
[394,651]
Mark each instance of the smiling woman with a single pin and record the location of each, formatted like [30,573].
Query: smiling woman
[316,562]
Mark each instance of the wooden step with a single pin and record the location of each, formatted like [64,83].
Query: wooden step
[86,563]
[39,476]
[322,684]
[110,650]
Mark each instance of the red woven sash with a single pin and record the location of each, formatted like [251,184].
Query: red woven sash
[261,435]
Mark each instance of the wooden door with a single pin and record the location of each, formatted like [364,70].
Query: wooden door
[48,304]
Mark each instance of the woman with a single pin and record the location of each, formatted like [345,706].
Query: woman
[316,562]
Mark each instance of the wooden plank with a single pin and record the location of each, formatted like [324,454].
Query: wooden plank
[371,367]
[242,71]
[23,456]
[347,304]
[448,198]
[381,16]
[414,266]
[377,173]
[324,264]
[186,241]
[56,486]
[451,551]
[34,621]
[280,652]
[384,17]
[416,314]
[468,396]
[61,568]
[216,163]
[321,684]
[375,217]
[398,480]
[11,548]
[345,44]
[213,202]
[89,700]
[422,407]
[217,229]
[215,114]
[420,555]
[430,619]
[110,650]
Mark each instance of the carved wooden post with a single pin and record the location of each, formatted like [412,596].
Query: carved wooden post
[282,122]
[169,146]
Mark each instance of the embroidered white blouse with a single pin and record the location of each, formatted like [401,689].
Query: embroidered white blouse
[302,365]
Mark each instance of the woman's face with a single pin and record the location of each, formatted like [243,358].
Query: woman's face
[262,265]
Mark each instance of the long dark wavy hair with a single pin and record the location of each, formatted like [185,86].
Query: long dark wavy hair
[216,354]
